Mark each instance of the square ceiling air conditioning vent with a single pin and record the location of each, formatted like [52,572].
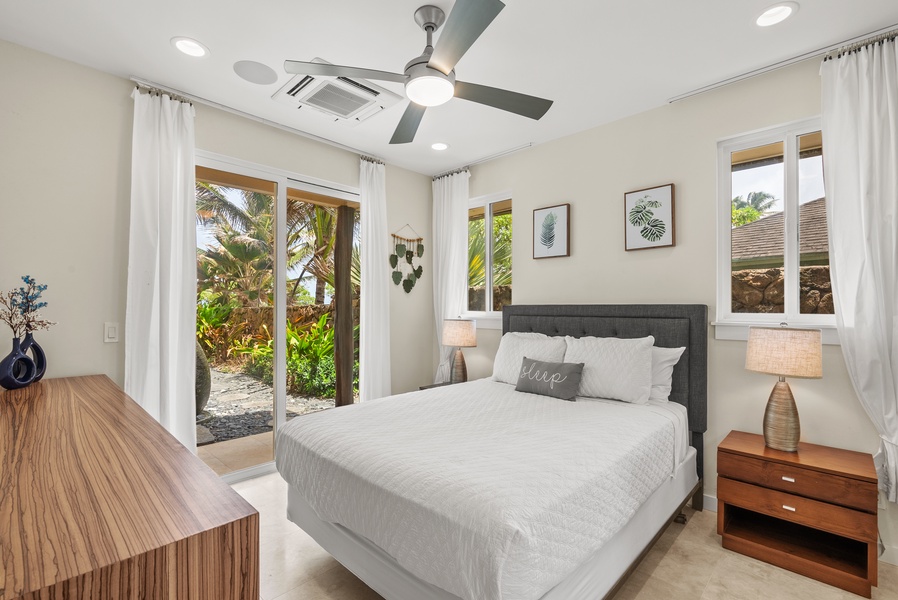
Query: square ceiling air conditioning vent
[348,101]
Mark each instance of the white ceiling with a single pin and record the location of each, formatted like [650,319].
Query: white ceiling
[598,60]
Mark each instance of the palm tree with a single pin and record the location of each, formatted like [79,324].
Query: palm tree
[760,201]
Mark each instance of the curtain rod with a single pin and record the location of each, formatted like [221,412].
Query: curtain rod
[191,98]
[370,159]
[450,173]
[780,64]
[154,91]
[877,39]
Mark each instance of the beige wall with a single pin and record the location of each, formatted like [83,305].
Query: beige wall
[676,144]
[65,144]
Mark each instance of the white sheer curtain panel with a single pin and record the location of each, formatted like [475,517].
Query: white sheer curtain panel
[374,334]
[160,323]
[860,134]
[450,254]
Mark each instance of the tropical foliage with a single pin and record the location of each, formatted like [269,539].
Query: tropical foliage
[641,215]
[750,209]
[235,272]
[502,230]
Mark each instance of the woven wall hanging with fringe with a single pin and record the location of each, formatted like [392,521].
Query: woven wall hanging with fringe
[407,250]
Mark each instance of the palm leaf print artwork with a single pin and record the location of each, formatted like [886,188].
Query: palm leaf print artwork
[547,237]
[653,230]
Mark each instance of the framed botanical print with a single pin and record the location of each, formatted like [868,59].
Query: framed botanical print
[551,231]
[649,218]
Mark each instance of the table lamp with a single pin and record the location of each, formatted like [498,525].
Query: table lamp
[459,333]
[787,353]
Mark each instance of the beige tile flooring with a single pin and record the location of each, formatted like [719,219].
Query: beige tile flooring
[241,453]
[687,563]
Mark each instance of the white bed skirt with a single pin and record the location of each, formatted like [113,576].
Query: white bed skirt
[593,579]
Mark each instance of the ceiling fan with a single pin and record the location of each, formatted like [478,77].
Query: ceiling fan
[430,78]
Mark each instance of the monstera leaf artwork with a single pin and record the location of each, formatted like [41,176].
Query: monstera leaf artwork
[650,218]
[402,261]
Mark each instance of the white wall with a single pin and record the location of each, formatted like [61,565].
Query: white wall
[65,161]
[676,144]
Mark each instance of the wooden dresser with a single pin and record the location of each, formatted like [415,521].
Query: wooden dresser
[98,501]
[812,511]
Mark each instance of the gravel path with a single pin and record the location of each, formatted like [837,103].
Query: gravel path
[240,405]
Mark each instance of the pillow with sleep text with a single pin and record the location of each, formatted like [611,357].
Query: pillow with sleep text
[515,345]
[559,380]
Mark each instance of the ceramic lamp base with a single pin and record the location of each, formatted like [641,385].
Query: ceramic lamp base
[781,426]
[459,369]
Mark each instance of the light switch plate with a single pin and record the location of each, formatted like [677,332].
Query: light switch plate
[110,332]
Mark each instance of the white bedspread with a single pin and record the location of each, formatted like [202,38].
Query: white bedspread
[488,493]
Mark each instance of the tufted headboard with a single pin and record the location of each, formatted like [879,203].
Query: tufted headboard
[672,325]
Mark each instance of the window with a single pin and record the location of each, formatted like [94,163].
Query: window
[772,237]
[489,254]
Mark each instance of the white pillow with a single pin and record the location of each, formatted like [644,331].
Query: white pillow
[663,362]
[620,369]
[514,346]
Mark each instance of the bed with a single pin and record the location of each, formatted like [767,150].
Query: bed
[421,514]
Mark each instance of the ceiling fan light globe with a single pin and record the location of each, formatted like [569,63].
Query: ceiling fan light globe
[429,90]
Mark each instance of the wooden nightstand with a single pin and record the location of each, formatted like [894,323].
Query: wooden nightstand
[812,512]
[436,385]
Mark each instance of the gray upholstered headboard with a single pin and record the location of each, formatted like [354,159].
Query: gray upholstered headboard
[672,325]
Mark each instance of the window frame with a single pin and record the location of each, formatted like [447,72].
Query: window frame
[734,326]
[488,319]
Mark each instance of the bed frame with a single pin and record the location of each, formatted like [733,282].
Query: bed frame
[672,325]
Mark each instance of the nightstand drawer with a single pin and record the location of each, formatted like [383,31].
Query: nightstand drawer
[861,495]
[827,517]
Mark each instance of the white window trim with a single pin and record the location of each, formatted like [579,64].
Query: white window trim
[488,319]
[734,326]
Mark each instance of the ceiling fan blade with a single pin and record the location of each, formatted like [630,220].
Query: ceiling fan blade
[520,104]
[408,124]
[324,70]
[468,19]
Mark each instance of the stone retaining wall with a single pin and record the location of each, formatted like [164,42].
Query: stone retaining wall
[762,291]
[501,296]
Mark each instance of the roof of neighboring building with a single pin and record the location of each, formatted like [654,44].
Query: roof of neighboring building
[764,237]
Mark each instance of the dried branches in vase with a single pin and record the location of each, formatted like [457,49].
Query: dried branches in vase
[19,310]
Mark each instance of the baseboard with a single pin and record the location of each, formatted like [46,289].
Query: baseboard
[890,555]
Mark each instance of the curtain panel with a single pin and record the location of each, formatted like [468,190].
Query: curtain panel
[860,131]
[160,322]
[450,254]
[374,334]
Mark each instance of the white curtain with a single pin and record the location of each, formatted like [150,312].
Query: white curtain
[374,335]
[450,257]
[860,134]
[160,323]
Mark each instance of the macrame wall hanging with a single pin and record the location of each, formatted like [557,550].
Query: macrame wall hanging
[407,250]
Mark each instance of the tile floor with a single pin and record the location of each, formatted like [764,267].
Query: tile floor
[241,453]
[687,563]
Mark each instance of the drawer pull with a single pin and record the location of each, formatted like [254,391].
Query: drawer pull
[789,479]
[790,508]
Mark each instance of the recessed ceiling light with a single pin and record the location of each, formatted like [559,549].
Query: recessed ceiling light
[189,46]
[255,72]
[777,13]
[440,146]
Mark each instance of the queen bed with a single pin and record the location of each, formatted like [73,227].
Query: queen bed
[481,492]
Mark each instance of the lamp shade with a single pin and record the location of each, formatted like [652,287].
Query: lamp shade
[785,352]
[461,333]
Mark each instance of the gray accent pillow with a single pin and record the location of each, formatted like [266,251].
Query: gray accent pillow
[559,380]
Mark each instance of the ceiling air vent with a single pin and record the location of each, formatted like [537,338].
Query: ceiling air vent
[348,101]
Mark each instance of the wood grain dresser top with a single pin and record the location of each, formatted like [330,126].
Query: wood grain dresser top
[846,463]
[88,479]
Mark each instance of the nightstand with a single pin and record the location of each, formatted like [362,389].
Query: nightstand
[436,385]
[813,511]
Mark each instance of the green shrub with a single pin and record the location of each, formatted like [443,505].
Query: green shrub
[310,360]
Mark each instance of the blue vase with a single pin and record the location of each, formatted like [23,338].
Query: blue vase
[37,355]
[16,370]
